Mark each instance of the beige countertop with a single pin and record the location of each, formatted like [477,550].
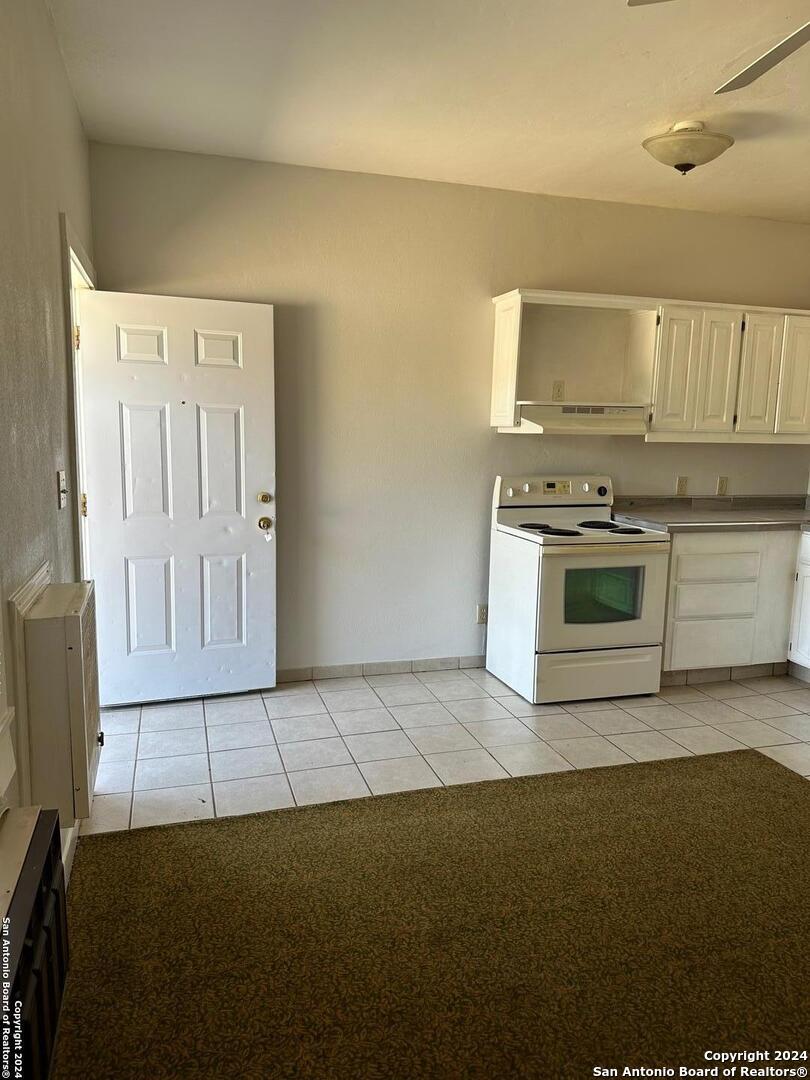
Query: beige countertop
[676,517]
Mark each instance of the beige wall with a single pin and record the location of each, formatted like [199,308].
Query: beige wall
[384,328]
[44,171]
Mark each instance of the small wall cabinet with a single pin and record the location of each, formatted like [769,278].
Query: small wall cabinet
[730,597]
[674,372]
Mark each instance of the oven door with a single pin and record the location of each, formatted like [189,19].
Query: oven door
[601,596]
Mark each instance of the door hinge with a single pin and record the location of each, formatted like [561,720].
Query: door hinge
[657,320]
[734,421]
[77,337]
[743,324]
[797,575]
[84,505]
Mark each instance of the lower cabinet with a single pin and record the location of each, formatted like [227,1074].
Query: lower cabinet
[730,598]
[800,622]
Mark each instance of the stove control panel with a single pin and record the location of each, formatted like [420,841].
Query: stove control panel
[553,490]
[558,487]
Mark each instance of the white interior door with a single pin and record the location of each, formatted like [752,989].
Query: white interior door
[180,451]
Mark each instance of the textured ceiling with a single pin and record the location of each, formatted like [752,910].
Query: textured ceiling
[547,96]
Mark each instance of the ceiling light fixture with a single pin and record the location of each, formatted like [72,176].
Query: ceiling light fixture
[687,145]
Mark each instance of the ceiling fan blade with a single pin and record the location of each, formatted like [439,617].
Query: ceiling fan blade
[643,3]
[768,60]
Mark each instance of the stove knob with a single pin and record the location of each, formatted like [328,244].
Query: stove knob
[526,488]
[586,487]
[510,492]
[601,491]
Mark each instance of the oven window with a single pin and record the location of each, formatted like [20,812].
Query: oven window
[604,594]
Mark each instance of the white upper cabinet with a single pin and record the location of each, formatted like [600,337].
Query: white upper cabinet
[759,373]
[676,376]
[793,402]
[696,373]
[585,363]
[718,369]
[505,362]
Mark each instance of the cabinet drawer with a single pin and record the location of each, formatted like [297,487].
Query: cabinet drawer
[724,566]
[726,641]
[713,599]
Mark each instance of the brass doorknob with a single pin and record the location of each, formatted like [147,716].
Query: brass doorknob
[265,523]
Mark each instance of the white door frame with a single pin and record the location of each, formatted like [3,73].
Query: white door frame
[77,273]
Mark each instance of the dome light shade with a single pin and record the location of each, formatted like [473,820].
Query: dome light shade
[687,145]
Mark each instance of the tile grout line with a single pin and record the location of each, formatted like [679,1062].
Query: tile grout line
[343,741]
[134,767]
[208,759]
[277,744]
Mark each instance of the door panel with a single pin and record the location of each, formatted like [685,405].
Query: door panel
[717,370]
[179,431]
[220,431]
[759,373]
[223,600]
[145,460]
[677,369]
[793,404]
[150,604]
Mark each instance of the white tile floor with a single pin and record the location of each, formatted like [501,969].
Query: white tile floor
[333,739]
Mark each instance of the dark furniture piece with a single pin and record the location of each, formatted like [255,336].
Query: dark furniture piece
[38,951]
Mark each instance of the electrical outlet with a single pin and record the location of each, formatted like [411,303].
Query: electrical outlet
[558,390]
[681,485]
[481,613]
[722,485]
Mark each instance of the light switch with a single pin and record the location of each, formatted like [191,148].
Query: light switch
[61,487]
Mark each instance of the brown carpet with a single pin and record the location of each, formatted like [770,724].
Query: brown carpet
[634,915]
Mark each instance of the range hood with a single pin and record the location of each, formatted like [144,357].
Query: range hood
[579,419]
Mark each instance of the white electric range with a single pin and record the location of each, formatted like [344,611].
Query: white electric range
[576,600]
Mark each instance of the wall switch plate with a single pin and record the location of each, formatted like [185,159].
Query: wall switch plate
[61,488]
[558,390]
[722,485]
[681,485]
[481,613]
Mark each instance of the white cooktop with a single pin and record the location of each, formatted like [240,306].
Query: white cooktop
[525,522]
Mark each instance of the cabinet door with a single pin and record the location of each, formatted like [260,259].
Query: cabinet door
[800,621]
[730,597]
[793,402]
[717,370]
[759,373]
[676,375]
